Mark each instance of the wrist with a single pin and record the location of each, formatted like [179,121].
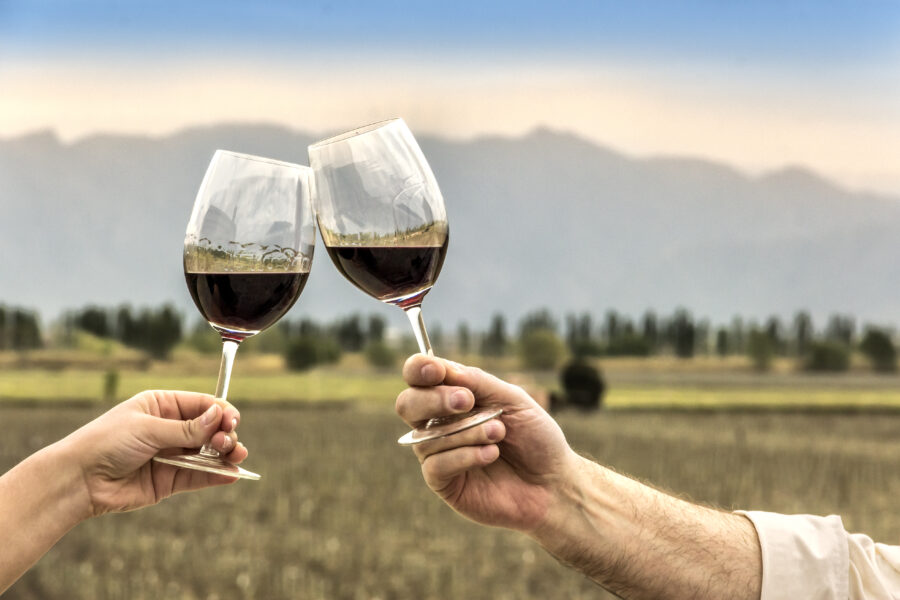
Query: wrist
[566,515]
[67,481]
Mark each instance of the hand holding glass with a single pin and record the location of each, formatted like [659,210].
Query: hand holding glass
[383,221]
[247,254]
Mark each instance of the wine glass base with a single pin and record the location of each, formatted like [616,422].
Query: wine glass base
[444,426]
[199,462]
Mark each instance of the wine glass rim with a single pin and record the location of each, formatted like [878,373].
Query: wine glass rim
[263,159]
[356,131]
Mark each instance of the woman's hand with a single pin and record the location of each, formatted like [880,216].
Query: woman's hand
[114,451]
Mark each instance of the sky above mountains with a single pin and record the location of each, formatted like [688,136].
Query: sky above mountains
[756,84]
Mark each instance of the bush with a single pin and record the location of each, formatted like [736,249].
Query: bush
[879,349]
[540,350]
[583,387]
[629,345]
[380,355]
[828,357]
[307,351]
[761,350]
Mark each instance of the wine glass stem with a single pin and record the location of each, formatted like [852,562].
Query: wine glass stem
[229,349]
[418,324]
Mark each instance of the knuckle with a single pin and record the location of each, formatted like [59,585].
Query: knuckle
[402,401]
[187,428]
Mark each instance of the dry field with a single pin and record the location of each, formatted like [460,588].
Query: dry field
[341,512]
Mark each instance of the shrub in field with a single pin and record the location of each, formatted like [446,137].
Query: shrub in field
[540,350]
[307,351]
[879,349]
[495,340]
[629,344]
[828,357]
[582,385]
[380,355]
[761,350]
[204,339]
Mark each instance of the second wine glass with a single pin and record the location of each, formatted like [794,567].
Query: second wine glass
[247,254]
[384,225]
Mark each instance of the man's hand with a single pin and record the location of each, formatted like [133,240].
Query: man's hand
[502,472]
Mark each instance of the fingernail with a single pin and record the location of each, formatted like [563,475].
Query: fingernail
[227,444]
[458,400]
[429,372]
[210,415]
[493,431]
[233,424]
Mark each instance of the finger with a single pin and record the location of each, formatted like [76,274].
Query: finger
[237,455]
[415,405]
[483,384]
[423,370]
[231,417]
[182,405]
[224,442]
[175,433]
[439,470]
[490,432]
[186,480]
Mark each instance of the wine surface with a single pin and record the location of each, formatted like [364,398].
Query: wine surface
[394,274]
[244,303]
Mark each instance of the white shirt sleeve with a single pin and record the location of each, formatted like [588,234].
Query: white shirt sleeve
[806,556]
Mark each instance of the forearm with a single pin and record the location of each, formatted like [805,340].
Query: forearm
[41,499]
[641,543]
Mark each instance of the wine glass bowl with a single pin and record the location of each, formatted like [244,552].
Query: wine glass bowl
[384,225]
[247,255]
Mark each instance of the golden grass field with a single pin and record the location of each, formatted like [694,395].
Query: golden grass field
[342,513]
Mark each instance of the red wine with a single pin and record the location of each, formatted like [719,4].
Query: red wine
[400,275]
[242,304]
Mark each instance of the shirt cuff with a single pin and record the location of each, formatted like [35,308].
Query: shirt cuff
[803,556]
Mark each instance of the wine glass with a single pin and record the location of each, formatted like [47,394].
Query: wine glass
[384,225]
[247,254]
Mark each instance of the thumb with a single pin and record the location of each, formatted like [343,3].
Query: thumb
[484,386]
[177,433]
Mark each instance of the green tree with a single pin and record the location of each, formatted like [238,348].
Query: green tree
[4,333]
[94,320]
[878,348]
[201,338]
[580,336]
[463,338]
[162,331]
[350,334]
[761,349]
[376,329]
[495,341]
[841,329]
[722,348]
[828,356]
[539,319]
[803,333]
[380,355]
[650,330]
[683,334]
[25,330]
[775,334]
[540,349]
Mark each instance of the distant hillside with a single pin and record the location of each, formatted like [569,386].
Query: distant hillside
[548,219]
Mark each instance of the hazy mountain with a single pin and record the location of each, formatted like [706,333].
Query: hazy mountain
[544,220]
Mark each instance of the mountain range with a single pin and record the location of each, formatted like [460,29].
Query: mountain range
[548,219]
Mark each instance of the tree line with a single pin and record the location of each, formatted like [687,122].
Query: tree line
[539,339]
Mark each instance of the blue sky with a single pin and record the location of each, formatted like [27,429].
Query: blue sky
[757,84]
[787,31]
